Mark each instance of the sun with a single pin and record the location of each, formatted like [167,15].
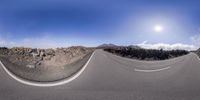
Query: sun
[158,28]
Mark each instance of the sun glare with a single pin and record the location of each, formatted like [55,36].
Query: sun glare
[158,28]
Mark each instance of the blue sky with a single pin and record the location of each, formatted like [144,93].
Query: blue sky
[62,23]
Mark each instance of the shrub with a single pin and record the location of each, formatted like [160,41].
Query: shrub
[150,54]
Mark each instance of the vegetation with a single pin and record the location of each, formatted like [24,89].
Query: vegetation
[146,54]
[3,50]
[198,52]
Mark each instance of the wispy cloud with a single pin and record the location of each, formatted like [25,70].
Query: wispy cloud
[196,39]
[45,42]
[4,42]
[165,46]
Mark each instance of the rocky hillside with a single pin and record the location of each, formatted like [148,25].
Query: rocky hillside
[146,54]
[30,57]
[198,52]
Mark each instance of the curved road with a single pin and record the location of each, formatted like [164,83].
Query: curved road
[110,77]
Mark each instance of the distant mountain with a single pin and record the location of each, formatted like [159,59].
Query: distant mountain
[134,47]
[104,46]
[107,46]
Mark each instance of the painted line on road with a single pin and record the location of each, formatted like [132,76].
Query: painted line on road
[154,70]
[47,84]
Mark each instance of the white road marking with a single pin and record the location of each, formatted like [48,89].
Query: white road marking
[47,84]
[154,70]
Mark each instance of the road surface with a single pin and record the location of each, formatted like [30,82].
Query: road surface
[110,77]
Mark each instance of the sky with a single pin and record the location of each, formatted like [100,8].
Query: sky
[63,23]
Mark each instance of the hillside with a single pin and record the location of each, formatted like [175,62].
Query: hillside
[45,64]
[146,54]
[103,46]
[33,57]
[198,52]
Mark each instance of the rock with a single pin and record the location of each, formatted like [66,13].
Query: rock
[49,57]
[50,52]
[42,54]
[4,51]
[31,66]
[38,63]
[34,54]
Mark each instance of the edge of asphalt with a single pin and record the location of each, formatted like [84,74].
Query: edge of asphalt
[156,70]
[47,84]
[198,57]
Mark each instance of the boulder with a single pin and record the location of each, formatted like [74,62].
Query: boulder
[4,51]
[31,66]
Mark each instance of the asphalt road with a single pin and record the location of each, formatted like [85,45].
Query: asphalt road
[110,77]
